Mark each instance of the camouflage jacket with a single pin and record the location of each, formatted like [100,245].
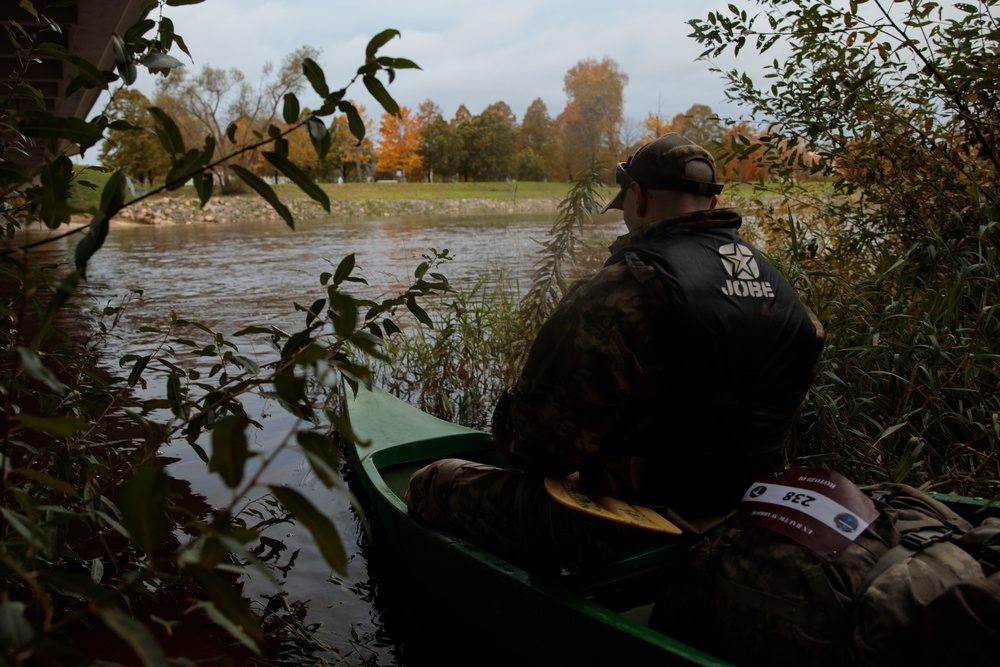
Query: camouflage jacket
[609,388]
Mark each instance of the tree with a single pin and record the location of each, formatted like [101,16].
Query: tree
[440,148]
[655,126]
[135,150]
[743,167]
[488,145]
[538,140]
[210,103]
[462,114]
[398,150]
[592,118]
[700,125]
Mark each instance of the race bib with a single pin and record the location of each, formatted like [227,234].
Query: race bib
[820,509]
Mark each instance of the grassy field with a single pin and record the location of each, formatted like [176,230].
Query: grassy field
[436,191]
[86,198]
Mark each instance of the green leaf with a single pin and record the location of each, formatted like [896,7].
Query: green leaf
[398,63]
[290,111]
[157,60]
[300,178]
[135,634]
[317,79]
[320,137]
[378,41]
[56,177]
[344,269]
[265,191]
[200,451]
[175,396]
[36,370]
[113,195]
[189,164]
[322,455]
[92,242]
[203,184]
[123,60]
[144,507]
[27,529]
[43,125]
[228,608]
[319,525]
[58,484]
[354,120]
[291,391]
[419,313]
[229,449]
[167,131]
[181,3]
[77,585]
[59,427]
[380,94]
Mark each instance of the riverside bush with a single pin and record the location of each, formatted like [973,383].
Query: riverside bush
[96,540]
[897,104]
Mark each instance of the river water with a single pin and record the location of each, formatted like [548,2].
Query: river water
[230,276]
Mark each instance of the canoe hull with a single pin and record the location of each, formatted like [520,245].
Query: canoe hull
[542,611]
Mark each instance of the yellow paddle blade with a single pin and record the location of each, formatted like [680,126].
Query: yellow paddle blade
[566,491]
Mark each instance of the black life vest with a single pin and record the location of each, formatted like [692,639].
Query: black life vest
[740,349]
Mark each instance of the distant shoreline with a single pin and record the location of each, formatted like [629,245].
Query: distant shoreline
[223,210]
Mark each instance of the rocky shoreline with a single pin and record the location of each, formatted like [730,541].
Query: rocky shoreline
[222,210]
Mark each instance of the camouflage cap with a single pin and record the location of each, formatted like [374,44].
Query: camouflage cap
[671,162]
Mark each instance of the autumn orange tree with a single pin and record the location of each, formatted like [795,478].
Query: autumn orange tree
[398,150]
[742,167]
[655,126]
[591,122]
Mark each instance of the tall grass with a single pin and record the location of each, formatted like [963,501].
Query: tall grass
[458,369]
[909,386]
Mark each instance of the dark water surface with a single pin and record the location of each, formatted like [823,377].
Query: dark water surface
[230,276]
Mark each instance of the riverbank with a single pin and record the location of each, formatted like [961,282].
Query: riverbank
[222,210]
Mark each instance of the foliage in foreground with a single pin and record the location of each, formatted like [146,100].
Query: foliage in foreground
[94,535]
[897,102]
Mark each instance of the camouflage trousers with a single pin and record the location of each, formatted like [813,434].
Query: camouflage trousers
[509,512]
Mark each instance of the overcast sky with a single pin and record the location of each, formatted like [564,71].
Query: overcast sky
[470,52]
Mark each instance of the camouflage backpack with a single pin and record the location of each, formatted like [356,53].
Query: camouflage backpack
[783,589]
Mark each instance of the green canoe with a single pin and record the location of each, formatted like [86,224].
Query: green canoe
[564,615]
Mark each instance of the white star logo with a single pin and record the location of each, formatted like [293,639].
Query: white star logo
[739,261]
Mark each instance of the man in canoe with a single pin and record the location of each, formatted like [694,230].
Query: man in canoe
[667,379]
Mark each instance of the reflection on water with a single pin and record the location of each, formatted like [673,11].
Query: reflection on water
[231,276]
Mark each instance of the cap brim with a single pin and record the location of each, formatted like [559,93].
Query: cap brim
[617,202]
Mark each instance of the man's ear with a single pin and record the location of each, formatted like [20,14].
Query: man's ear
[640,199]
